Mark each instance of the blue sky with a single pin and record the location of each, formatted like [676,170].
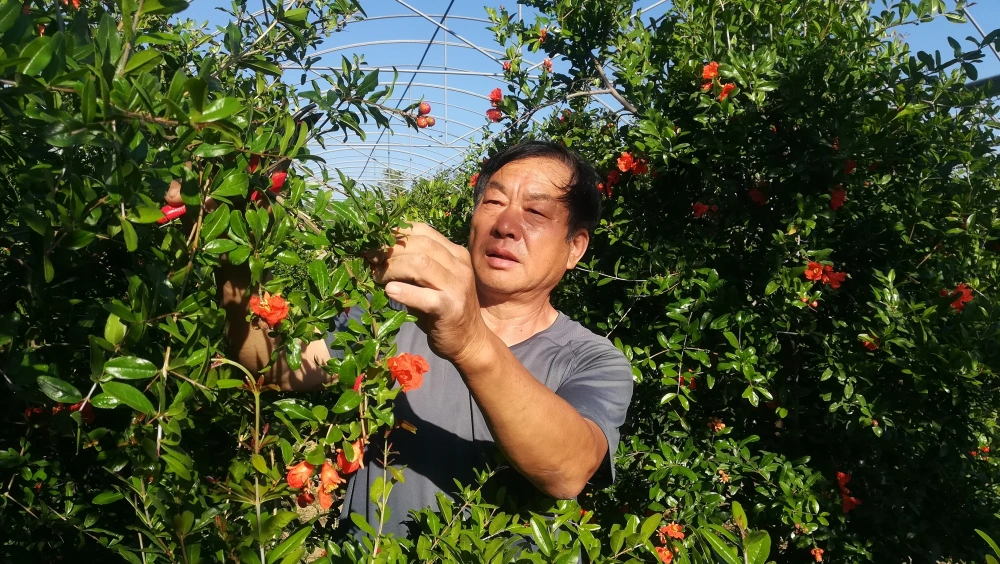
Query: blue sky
[396,34]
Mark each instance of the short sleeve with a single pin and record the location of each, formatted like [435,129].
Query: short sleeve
[599,386]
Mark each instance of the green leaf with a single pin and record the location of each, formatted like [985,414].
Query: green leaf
[320,277]
[105,401]
[739,515]
[720,547]
[348,401]
[37,55]
[105,498]
[114,330]
[540,533]
[163,7]
[293,542]
[989,541]
[143,61]
[259,463]
[220,246]
[207,150]
[219,109]
[234,184]
[131,239]
[239,255]
[129,396]
[59,390]
[362,523]
[294,410]
[276,524]
[130,368]
[758,547]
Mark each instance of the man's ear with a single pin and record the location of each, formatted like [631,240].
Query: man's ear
[577,247]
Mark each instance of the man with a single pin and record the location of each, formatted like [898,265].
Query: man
[507,371]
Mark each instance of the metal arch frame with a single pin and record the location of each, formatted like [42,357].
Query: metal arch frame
[418,145]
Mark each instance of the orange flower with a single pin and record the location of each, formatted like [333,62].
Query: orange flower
[329,481]
[665,555]
[541,34]
[716,424]
[814,271]
[495,96]
[726,89]
[984,449]
[348,467]
[673,530]
[603,189]
[76,3]
[842,479]
[272,309]
[962,295]
[817,554]
[625,162]
[305,498]
[706,87]
[474,180]
[494,115]
[408,369]
[506,65]
[723,477]
[640,167]
[710,71]
[299,475]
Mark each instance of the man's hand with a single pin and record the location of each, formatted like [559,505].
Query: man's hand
[433,277]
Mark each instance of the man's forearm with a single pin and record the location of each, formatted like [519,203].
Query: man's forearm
[543,436]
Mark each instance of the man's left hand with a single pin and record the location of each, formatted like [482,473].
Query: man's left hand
[433,277]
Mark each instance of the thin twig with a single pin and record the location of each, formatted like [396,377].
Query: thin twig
[611,89]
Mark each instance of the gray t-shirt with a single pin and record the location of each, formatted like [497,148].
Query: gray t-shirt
[452,439]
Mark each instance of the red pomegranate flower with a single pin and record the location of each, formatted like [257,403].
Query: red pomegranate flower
[817,554]
[843,478]
[726,89]
[253,164]
[837,197]
[710,71]
[962,295]
[850,503]
[625,162]
[706,87]
[850,166]
[871,344]
[640,167]
[348,467]
[86,411]
[408,369]
[700,209]
[495,96]
[547,64]
[814,271]
[506,65]
[542,34]
[305,498]
[358,381]
[329,481]
[474,179]
[757,197]
[299,475]
[614,177]
[604,189]
[665,555]
[494,115]
[272,309]
[834,279]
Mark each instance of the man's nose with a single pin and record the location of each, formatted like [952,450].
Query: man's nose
[508,224]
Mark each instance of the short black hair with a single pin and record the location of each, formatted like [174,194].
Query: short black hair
[581,196]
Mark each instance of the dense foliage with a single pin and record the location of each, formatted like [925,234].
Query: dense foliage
[798,254]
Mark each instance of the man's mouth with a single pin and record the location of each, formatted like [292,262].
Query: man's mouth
[498,255]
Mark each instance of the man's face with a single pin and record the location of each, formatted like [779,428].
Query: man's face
[518,240]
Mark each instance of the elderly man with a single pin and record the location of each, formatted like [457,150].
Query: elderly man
[508,372]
